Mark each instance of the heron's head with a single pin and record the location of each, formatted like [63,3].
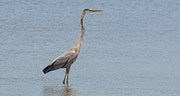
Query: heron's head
[90,11]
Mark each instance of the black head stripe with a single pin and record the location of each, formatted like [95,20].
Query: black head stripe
[85,10]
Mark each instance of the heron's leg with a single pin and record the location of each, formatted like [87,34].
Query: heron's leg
[67,78]
[64,79]
[67,72]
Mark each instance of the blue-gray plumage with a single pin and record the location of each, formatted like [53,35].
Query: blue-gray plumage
[69,57]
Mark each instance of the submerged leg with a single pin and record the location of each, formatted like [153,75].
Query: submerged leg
[67,73]
[67,78]
[64,79]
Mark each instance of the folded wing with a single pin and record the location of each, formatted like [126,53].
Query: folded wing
[64,60]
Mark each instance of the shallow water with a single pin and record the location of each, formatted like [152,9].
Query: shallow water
[131,48]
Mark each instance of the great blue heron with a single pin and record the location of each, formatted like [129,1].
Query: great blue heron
[68,58]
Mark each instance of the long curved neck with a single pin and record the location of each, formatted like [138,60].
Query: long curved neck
[78,45]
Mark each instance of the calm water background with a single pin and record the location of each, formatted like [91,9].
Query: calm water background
[131,48]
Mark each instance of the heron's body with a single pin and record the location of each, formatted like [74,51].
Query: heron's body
[69,57]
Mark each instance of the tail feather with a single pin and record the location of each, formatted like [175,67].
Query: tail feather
[54,66]
[47,69]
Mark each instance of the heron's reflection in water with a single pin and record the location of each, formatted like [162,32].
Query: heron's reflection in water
[59,91]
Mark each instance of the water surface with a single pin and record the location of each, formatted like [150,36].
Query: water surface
[131,48]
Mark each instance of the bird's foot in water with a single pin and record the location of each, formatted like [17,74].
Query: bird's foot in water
[66,82]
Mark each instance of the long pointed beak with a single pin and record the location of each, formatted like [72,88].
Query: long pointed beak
[96,10]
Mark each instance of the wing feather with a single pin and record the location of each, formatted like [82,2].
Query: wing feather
[64,60]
